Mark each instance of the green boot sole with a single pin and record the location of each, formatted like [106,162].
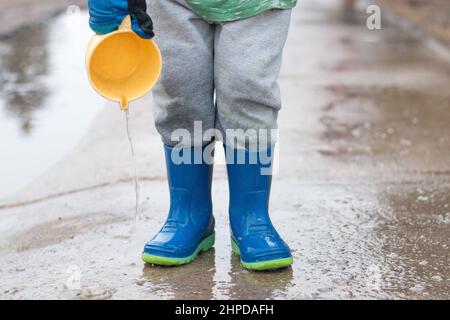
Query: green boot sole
[205,245]
[263,265]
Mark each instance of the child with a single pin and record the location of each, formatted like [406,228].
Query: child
[221,63]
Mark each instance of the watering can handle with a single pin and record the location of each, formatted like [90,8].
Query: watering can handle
[126,23]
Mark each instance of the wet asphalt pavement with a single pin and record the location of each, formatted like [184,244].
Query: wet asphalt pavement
[362,192]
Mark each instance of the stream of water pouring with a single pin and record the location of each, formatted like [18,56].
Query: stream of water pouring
[136,178]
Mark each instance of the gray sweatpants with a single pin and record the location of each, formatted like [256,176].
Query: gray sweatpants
[216,76]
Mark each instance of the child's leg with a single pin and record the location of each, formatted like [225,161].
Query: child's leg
[247,64]
[183,95]
[248,55]
[185,91]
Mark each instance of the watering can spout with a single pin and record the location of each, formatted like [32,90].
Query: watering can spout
[124,104]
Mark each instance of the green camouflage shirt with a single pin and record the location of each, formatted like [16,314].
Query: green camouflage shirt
[230,10]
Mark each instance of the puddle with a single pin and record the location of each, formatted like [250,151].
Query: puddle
[46,103]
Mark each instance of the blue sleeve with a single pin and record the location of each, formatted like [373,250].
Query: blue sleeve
[105,16]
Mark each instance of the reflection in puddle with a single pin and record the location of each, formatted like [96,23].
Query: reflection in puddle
[46,104]
[191,281]
[200,280]
[258,285]
[24,63]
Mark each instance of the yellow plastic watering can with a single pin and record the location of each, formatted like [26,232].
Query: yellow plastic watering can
[122,66]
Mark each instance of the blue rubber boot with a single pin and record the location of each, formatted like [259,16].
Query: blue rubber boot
[189,228]
[253,237]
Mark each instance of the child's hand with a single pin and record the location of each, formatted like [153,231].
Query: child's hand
[106,16]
